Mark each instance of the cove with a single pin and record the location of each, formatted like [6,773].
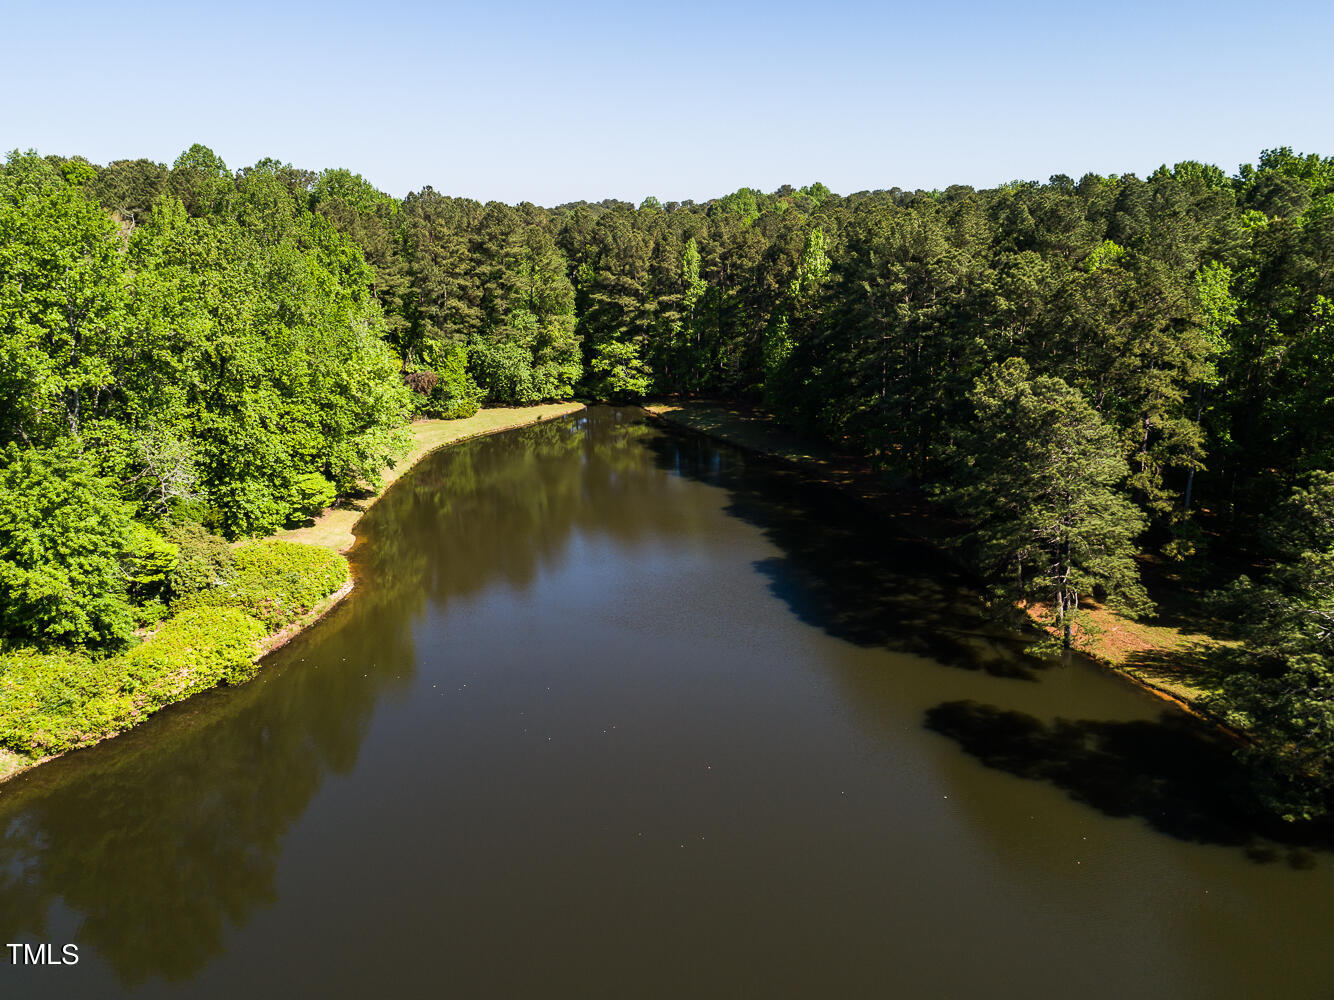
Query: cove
[619,711]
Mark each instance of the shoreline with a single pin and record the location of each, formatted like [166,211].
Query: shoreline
[333,530]
[754,430]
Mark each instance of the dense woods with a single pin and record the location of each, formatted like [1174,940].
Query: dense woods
[1091,372]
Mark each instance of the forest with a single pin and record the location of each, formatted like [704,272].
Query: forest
[1095,375]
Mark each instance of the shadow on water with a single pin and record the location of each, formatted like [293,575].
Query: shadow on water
[870,581]
[1174,773]
[862,579]
[159,843]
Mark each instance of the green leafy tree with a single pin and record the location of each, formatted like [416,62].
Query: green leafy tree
[202,182]
[68,551]
[619,373]
[62,304]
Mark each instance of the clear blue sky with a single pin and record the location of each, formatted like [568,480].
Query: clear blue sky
[551,102]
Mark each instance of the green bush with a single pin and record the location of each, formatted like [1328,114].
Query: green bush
[505,370]
[149,613]
[195,650]
[53,702]
[276,581]
[441,385]
[149,562]
[311,494]
[455,394]
[206,560]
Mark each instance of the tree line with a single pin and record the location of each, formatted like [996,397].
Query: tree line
[1088,370]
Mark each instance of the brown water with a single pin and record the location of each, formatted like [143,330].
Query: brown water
[617,712]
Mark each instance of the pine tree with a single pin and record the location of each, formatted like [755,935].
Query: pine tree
[1038,473]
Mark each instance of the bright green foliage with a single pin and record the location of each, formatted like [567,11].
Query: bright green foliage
[67,547]
[50,703]
[313,493]
[505,371]
[353,190]
[217,343]
[531,363]
[448,390]
[222,356]
[299,383]
[1105,254]
[53,702]
[781,381]
[195,650]
[201,180]
[694,286]
[1038,476]
[62,303]
[456,394]
[620,374]
[743,204]
[276,581]
[149,561]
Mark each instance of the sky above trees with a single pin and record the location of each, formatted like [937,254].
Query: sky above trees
[557,102]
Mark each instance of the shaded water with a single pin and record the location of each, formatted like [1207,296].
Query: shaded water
[616,711]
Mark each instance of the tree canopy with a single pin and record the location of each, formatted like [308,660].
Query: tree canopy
[1089,370]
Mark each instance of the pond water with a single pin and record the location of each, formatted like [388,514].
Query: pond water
[619,711]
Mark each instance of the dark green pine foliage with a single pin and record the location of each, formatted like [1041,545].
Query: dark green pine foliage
[227,348]
[1281,685]
[1038,473]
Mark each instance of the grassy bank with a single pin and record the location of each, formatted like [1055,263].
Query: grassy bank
[333,529]
[1169,654]
[54,702]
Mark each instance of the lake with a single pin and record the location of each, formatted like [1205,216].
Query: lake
[619,711]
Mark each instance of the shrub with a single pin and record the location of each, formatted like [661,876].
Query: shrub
[195,650]
[53,702]
[422,383]
[149,562]
[206,560]
[445,390]
[276,581]
[311,494]
[149,613]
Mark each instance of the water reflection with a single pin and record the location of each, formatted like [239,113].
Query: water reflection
[163,839]
[159,843]
[869,581]
[165,844]
[860,578]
